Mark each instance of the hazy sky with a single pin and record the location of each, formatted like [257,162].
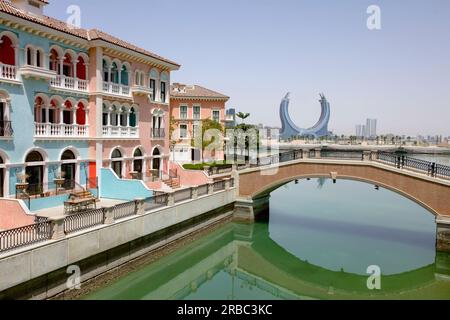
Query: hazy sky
[257,50]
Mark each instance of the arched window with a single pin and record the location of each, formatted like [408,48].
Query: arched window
[123,117]
[81,114]
[7,52]
[114,73]
[152,83]
[115,116]
[138,153]
[164,85]
[156,152]
[105,71]
[67,113]
[68,66]
[124,76]
[116,154]
[39,58]
[133,117]
[54,61]
[38,106]
[53,114]
[81,68]
[29,56]
[68,155]
[105,119]
[34,156]
[137,79]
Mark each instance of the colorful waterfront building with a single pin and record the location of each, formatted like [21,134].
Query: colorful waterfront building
[189,106]
[74,101]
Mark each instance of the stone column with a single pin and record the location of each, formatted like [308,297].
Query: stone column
[75,70]
[61,65]
[211,188]
[74,115]
[61,111]
[57,227]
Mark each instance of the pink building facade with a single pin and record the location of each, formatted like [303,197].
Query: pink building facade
[189,106]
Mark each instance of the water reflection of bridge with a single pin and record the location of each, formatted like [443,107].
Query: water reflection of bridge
[247,253]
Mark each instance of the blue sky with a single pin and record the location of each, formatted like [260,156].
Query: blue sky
[257,50]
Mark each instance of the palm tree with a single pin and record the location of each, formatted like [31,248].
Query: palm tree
[242,116]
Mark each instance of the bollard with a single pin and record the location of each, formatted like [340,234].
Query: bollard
[211,188]
[140,206]
[108,214]
[194,192]
[317,152]
[227,183]
[57,227]
[305,153]
[170,198]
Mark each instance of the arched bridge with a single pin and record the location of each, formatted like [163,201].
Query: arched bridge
[427,184]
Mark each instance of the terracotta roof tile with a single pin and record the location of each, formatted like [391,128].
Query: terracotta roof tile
[98,34]
[178,90]
[59,25]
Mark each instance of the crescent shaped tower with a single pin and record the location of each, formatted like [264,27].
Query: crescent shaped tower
[289,129]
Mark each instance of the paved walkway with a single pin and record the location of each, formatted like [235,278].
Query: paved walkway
[58,211]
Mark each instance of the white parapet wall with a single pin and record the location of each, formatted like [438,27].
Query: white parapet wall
[42,259]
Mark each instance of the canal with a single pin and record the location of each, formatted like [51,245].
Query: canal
[318,242]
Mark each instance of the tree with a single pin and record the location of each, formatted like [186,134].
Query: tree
[199,140]
[242,116]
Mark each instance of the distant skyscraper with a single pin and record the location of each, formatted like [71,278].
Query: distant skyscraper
[359,131]
[230,118]
[371,128]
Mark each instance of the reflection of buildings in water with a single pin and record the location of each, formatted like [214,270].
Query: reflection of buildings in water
[252,261]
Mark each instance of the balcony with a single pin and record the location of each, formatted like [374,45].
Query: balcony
[6,130]
[116,89]
[158,133]
[68,83]
[141,90]
[52,130]
[9,73]
[120,132]
[29,71]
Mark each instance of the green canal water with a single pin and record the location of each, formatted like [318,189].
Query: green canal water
[318,242]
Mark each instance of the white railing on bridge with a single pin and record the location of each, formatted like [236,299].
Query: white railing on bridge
[60,130]
[8,72]
[63,82]
[116,89]
[121,132]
